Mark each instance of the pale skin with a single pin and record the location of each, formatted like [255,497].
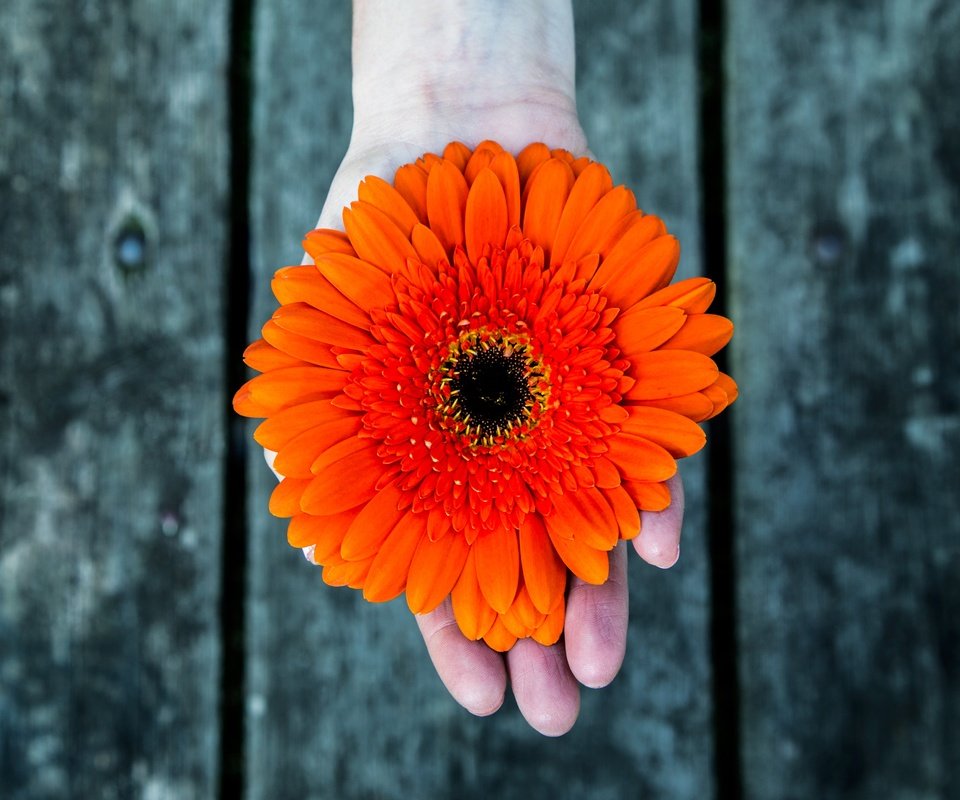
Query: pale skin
[426,73]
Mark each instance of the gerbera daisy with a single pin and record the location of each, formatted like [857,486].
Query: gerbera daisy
[477,386]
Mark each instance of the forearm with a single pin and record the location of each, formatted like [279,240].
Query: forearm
[472,69]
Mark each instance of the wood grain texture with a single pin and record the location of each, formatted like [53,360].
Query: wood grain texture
[844,195]
[343,701]
[113,182]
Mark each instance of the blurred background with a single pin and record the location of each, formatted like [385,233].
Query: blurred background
[158,637]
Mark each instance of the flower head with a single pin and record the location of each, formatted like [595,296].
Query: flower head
[475,388]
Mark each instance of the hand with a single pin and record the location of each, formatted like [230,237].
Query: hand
[513,83]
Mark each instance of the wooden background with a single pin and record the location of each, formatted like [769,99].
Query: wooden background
[158,638]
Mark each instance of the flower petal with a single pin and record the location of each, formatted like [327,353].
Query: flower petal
[289,386]
[306,285]
[275,432]
[648,496]
[543,573]
[641,330]
[388,573]
[373,524]
[498,637]
[297,456]
[376,237]
[584,515]
[498,567]
[304,320]
[486,215]
[446,201]
[676,434]
[549,632]
[592,184]
[344,484]
[639,459]
[531,157]
[435,569]
[695,406]
[546,195]
[380,194]
[326,240]
[505,168]
[263,357]
[359,281]
[411,182]
[324,533]
[626,276]
[285,498]
[693,295]
[625,510]
[588,564]
[702,333]
[472,612]
[670,373]
[605,216]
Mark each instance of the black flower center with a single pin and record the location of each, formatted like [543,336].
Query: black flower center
[492,387]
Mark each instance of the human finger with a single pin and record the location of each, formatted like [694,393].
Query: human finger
[595,631]
[547,694]
[659,539]
[473,673]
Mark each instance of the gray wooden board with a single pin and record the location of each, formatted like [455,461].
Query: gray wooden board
[844,123]
[342,700]
[113,123]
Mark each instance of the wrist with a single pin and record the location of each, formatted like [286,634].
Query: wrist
[482,69]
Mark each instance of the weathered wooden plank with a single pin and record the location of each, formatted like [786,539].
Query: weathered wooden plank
[113,178]
[844,195]
[343,701]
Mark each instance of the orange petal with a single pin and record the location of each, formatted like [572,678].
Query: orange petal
[531,157]
[498,637]
[648,496]
[324,533]
[275,432]
[670,373]
[728,385]
[523,614]
[304,320]
[641,330]
[326,240]
[588,564]
[486,215]
[543,573]
[630,275]
[583,515]
[693,295]
[639,459]
[372,525]
[280,388]
[446,201]
[285,498]
[376,237]
[702,333]
[695,406]
[549,632]
[625,251]
[411,182]
[676,434]
[344,484]
[457,153]
[337,451]
[263,357]
[505,168]
[605,472]
[347,573]
[377,192]
[498,567]
[307,350]
[361,282]
[546,195]
[592,184]
[306,285]
[471,610]
[296,456]
[603,217]
[435,569]
[428,246]
[479,161]
[388,573]
[625,510]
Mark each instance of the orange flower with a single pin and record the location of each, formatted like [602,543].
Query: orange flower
[478,385]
